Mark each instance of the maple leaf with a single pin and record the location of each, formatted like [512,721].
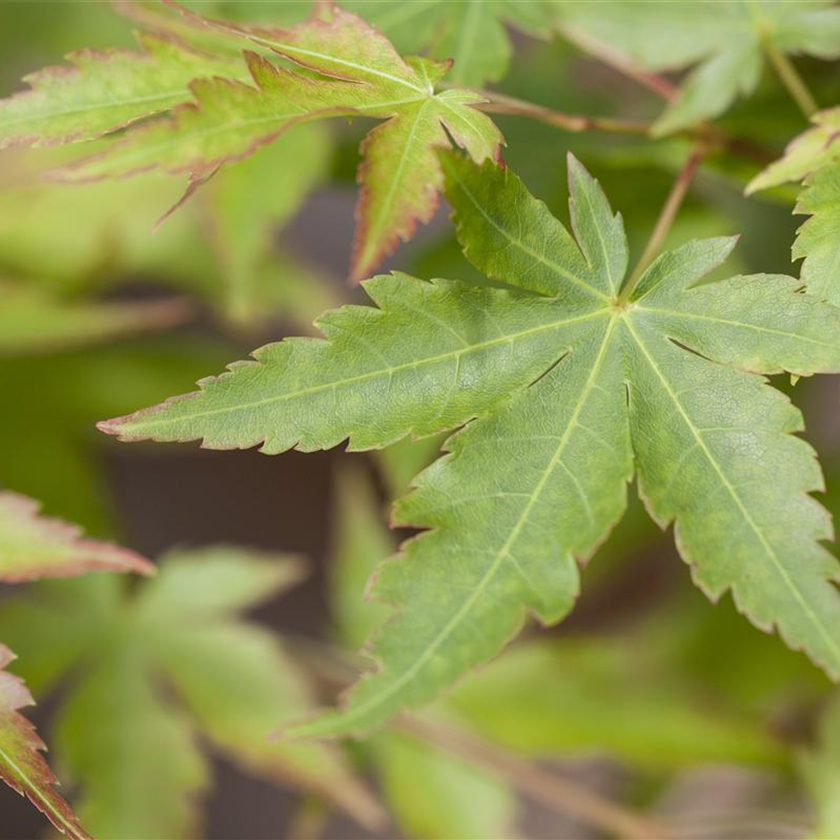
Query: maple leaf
[101,92]
[664,381]
[813,158]
[21,764]
[723,43]
[32,546]
[154,670]
[352,70]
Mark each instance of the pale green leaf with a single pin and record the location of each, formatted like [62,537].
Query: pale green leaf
[436,796]
[820,767]
[722,43]
[470,33]
[232,685]
[133,753]
[34,322]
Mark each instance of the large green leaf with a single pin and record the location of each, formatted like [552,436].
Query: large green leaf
[663,380]
[722,42]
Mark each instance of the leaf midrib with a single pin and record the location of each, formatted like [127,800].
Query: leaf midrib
[771,553]
[377,700]
[35,791]
[370,375]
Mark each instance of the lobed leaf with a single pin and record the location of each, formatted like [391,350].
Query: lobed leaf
[32,546]
[665,382]
[349,68]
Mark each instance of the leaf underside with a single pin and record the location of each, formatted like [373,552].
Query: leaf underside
[574,391]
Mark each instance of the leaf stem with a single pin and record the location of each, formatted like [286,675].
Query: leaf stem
[498,103]
[559,794]
[790,78]
[666,218]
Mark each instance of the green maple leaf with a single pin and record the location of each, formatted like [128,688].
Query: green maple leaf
[155,670]
[348,68]
[663,382]
[812,158]
[33,546]
[722,42]
[472,34]
[101,92]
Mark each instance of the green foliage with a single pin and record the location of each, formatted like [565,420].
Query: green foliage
[558,374]
[232,681]
[620,380]
[722,42]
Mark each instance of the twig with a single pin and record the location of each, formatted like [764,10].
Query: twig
[666,218]
[559,794]
[619,61]
[498,103]
[790,78]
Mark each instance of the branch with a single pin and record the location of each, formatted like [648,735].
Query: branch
[790,78]
[666,217]
[498,103]
[559,794]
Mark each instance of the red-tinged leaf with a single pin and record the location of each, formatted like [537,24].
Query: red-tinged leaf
[359,73]
[34,546]
[22,766]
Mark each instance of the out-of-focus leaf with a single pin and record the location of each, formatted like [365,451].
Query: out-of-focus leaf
[32,546]
[604,694]
[438,796]
[470,33]
[133,753]
[821,770]
[249,202]
[32,321]
[722,43]
[232,682]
